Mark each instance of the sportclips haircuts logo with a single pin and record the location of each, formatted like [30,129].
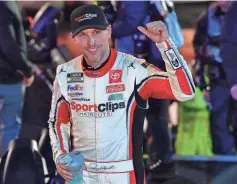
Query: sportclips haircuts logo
[85,16]
[100,110]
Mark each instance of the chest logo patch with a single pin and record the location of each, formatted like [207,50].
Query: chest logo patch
[75,77]
[115,97]
[75,87]
[115,76]
[115,88]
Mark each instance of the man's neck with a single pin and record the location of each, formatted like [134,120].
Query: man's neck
[94,66]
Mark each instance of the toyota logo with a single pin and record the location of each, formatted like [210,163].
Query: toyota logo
[115,76]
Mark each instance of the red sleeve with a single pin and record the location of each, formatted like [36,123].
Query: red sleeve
[176,83]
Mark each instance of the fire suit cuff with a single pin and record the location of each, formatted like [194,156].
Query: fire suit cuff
[167,44]
[57,155]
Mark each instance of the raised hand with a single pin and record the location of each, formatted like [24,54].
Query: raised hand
[156,31]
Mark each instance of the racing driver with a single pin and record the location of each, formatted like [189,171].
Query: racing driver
[100,99]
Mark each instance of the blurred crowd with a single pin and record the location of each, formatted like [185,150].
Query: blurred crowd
[30,50]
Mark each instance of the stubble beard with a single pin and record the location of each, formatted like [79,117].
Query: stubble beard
[102,57]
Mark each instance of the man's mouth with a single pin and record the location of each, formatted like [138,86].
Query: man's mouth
[92,49]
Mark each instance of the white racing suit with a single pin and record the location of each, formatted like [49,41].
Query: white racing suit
[101,112]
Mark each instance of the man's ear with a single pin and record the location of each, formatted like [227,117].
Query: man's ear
[72,37]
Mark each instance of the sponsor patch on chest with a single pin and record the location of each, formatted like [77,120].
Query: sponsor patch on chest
[75,94]
[75,77]
[96,110]
[173,59]
[74,87]
[115,88]
[115,97]
[115,76]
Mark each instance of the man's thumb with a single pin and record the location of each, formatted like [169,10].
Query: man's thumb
[143,30]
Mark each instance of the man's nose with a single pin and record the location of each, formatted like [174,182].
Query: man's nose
[91,40]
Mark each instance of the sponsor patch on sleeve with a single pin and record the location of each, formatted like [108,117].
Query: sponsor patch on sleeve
[173,59]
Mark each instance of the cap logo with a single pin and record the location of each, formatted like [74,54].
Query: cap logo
[85,17]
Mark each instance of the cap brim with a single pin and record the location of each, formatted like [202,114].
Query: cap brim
[102,27]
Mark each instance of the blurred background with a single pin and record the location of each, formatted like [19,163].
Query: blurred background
[187,19]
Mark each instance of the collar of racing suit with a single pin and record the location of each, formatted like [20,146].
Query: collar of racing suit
[102,69]
[88,67]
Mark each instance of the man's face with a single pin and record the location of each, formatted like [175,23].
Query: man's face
[93,43]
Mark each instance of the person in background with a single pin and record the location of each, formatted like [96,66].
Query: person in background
[228,42]
[207,48]
[194,136]
[15,71]
[229,55]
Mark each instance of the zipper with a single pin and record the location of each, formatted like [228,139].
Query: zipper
[95,120]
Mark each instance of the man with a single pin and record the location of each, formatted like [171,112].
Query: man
[229,55]
[14,70]
[207,48]
[100,99]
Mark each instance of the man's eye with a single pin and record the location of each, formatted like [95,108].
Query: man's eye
[97,32]
[82,34]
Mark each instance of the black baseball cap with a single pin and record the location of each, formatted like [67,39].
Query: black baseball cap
[87,16]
